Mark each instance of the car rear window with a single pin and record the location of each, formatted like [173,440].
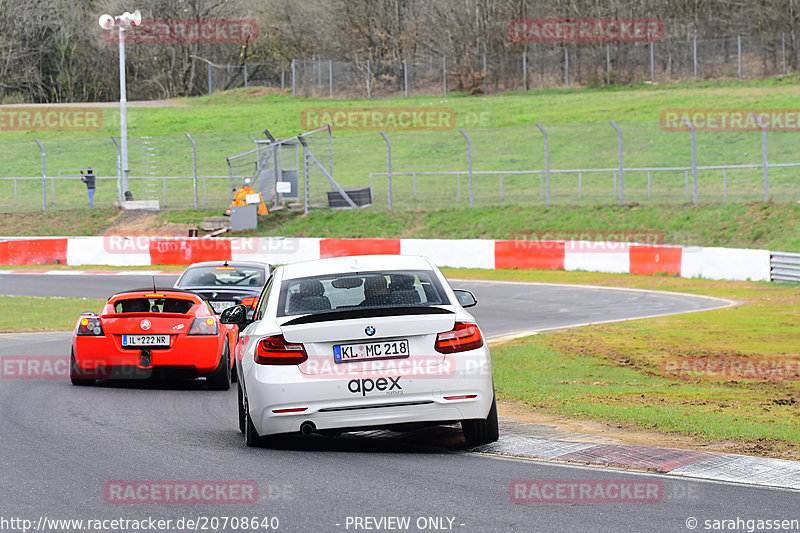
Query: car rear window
[221,276]
[153,305]
[362,290]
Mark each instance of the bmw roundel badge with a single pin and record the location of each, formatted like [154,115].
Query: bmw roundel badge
[369,330]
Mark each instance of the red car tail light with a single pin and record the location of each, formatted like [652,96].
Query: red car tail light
[90,325]
[250,301]
[204,326]
[463,337]
[276,351]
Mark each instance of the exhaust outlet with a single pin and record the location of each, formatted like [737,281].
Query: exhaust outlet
[307,428]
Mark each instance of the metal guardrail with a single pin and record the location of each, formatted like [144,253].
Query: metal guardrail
[784,266]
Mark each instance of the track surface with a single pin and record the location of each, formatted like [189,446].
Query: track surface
[60,445]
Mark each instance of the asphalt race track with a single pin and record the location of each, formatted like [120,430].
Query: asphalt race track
[63,449]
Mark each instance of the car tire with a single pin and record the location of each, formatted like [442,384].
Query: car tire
[242,417]
[234,374]
[482,431]
[220,379]
[251,436]
[75,374]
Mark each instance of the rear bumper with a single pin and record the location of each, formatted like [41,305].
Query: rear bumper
[99,357]
[342,403]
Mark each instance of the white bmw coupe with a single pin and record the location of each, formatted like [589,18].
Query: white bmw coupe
[362,342]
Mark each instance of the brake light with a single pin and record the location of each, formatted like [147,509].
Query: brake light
[250,301]
[204,326]
[463,337]
[90,325]
[276,351]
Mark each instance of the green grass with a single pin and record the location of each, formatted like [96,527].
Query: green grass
[33,313]
[766,226]
[504,138]
[614,372]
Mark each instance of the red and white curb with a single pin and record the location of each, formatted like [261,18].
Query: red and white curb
[688,463]
[608,256]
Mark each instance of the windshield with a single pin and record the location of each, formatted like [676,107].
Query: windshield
[222,276]
[153,305]
[362,290]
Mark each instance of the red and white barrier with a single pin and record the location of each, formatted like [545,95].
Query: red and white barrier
[612,257]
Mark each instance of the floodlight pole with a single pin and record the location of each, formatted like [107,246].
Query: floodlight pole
[122,22]
[123,110]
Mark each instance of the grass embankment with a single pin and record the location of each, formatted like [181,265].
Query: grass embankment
[645,373]
[504,138]
[34,313]
[767,226]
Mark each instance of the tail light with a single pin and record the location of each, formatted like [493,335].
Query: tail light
[90,325]
[463,337]
[250,301]
[204,326]
[276,351]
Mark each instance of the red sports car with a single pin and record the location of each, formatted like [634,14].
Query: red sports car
[141,332]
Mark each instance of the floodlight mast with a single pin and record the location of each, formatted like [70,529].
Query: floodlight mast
[122,22]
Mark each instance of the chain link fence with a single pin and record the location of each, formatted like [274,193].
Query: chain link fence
[581,165]
[529,66]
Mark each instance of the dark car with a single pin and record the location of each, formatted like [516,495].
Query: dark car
[226,283]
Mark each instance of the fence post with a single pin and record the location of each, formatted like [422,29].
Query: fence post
[739,54]
[764,164]
[388,166]
[524,71]
[621,175]
[469,167]
[652,64]
[608,65]
[119,171]
[230,178]
[305,178]
[405,77]
[724,183]
[444,73]
[330,151]
[694,159]
[566,66]
[44,177]
[694,55]
[648,184]
[330,76]
[294,87]
[194,168]
[485,77]
[369,75]
[783,51]
[546,162]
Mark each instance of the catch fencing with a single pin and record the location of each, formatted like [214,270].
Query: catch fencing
[527,66]
[567,164]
